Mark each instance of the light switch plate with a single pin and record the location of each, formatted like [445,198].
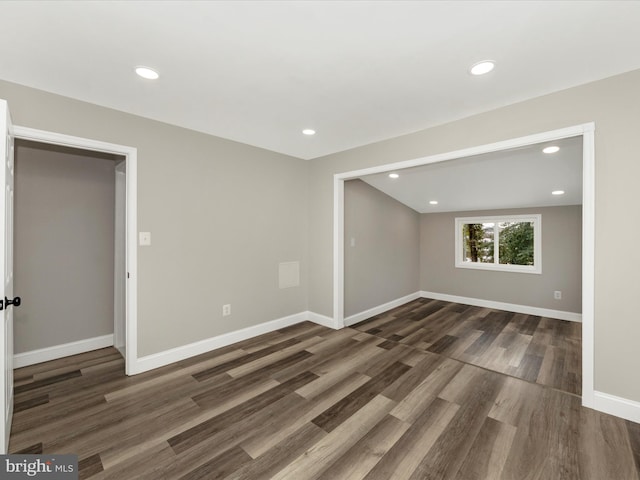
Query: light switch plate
[144,239]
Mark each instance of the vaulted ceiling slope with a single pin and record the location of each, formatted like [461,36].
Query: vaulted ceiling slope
[515,178]
[356,72]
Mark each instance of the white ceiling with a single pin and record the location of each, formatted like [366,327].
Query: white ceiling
[517,178]
[356,71]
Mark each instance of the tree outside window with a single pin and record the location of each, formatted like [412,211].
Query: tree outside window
[510,243]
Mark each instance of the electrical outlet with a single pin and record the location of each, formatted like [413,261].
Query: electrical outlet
[557,295]
[226,310]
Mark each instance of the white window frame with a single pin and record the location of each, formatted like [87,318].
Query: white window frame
[536,219]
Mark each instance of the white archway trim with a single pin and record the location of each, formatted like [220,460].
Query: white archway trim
[587,131]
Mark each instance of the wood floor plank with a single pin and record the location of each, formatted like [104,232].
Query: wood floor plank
[451,448]
[342,410]
[336,369]
[154,442]
[489,452]
[281,454]
[44,382]
[248,358]
[89,466]
[148,385]
[403,458]
[53,412]
[537,452]
[272,433]
[514,402]
[634,440]
[220,466]
[146,462]
[65,364]
[410,407]
[356,462]
[604,451]
[276,358]
[405,384]
[325,452]
[125,433]
[132,435]
[36,449]
[31,403]
[196,434]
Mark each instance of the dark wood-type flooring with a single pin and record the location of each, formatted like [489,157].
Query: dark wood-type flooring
[429,390]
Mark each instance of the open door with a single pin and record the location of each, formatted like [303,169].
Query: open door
[7,302]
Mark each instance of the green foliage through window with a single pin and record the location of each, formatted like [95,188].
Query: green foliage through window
[516,243]
[500,242]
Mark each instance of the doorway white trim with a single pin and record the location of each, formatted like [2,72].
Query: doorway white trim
[120,260]
[588,228]
[131,159]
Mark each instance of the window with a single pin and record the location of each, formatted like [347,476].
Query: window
[505,243]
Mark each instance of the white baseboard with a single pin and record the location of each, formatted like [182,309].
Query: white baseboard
[160,359]
[510,307]
[59,351]
[618,406]
[359,317]
[322,320]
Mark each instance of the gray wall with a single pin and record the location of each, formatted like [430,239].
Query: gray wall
[222,216]
[614,105]
[561,261]
[383,265]
[64,234]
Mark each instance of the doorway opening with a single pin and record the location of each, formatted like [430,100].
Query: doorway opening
[64,233]
[586,132]
[123,261]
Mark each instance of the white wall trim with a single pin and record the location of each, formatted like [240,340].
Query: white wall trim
[509,307]
[588,267]
[338,250]
[359,317]
[323,320]
[120,259]
[131,159]
[59,351]
[160,359]
[618,406]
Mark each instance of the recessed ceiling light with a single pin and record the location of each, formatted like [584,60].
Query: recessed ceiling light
[309,131]
[148,73]
[482,67]
[433,202]
[552,149]
[557,192]
[393,175]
